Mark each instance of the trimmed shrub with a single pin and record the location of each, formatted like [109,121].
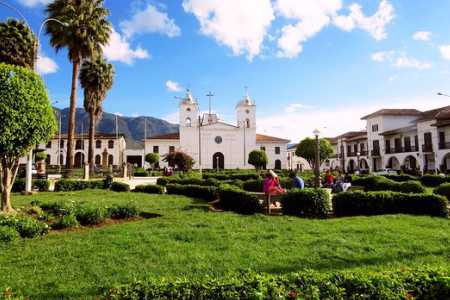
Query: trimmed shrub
[66,221]
[89,214]
[406,284]
[140,172]
[224,176]
[8,234]
[306,203]
[149,189]
[208,193]
[381,183]
[120,187]
[163,181]
[379,203]
[123,211]
[401,177]
[65,185]
[434,180]
[26,226]
[253,185]
[237,200]
[443,190]
[59,208]
[41,184]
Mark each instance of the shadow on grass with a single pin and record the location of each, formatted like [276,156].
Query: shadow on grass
[336,263]
[197,204]
[147,215]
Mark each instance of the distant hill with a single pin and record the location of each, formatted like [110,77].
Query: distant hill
[132,128]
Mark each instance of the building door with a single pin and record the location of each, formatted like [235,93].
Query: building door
[79,160]
[278,164]
[218,161]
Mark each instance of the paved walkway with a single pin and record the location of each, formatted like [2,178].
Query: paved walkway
[137,181]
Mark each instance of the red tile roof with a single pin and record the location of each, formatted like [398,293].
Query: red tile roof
[393,112]
[167,136]
[260,138]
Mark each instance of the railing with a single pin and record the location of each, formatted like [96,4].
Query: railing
[427,148]
[402,150]
[444,146]
[354,154]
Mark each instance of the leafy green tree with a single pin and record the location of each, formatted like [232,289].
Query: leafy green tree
[307,149]
[18,44]
[152,158]
[181,160]
[27,119]
[96,78]
[86,32]
[258,159]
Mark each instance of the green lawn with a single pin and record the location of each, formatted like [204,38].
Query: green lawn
[187,240]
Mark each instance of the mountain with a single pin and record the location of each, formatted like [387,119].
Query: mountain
[132,128]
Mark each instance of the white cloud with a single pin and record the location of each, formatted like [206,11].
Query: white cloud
[173,86]
[445,51]
[400,60]
[150,20]
[239,25]
[333,121]
[31,3]
[375,25]
[382,56]
[411,63]
[173,118]
[118,49]
[294,107]
[313,16]
[422,36]
[118,114]
[45,65]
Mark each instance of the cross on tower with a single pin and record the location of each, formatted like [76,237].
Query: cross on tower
[209,95]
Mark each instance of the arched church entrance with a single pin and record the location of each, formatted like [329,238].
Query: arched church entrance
[218,161]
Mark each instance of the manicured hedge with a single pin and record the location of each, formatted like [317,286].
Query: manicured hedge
[443,190]
[306,203]
[41,184]
[65,185]
[149,189]
[434,180]
[401,177]
[187,181]
[381,183]
[208,193]
[379,203]
[234,199]
[253,185]
[120,187]
[231,176]
[394,285]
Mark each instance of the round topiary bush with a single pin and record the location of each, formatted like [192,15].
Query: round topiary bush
[8,234]
[443,190]
[120,187]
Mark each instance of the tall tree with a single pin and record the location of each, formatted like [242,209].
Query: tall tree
[96,78]
[86,32]
[307,149]
[18,46]
[27,119]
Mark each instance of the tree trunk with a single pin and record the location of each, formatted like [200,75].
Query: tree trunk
[91,161]
[72,114]
[8,175]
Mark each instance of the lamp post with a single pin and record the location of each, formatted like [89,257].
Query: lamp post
[358,154]
[316,133]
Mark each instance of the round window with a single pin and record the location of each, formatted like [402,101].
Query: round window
[218,139]
[188,109]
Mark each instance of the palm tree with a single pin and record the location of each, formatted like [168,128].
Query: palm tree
[86,32]
[96,78]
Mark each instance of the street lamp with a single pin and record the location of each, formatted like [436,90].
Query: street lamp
[316,133]
[358,154]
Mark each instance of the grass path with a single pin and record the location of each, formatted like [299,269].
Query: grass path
[187,240]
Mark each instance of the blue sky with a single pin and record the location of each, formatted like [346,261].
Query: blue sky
[307,63]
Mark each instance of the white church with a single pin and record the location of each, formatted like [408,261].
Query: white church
[215,144]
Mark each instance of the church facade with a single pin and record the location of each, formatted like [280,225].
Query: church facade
[215,144]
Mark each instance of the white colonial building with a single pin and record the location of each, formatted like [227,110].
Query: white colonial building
[399,139]
[109,149]
[215,144]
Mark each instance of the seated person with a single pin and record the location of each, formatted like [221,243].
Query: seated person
[297,181]
[272,185]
